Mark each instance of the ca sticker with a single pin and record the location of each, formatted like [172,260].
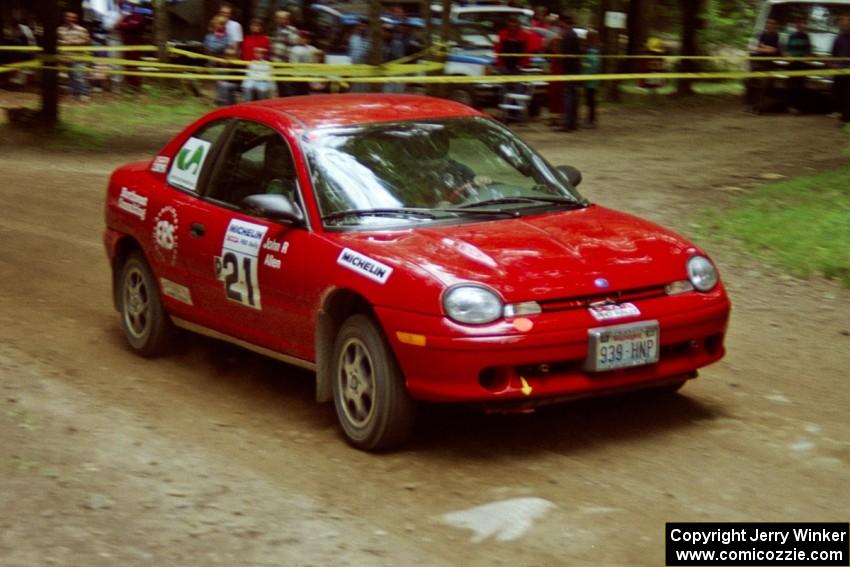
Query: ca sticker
[188,163]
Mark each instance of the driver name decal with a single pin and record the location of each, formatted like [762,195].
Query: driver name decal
[365,266]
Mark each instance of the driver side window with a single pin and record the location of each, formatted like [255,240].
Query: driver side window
[256,161]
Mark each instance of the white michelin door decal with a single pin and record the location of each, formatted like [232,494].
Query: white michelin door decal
[365,266]
[237,265]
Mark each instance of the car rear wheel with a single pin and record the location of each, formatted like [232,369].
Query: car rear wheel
[146,325]
[372,403]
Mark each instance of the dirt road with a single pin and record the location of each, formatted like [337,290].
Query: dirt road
[217,456]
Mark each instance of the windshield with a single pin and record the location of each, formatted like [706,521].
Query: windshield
[447,168]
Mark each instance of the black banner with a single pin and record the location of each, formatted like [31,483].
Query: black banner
[754,543]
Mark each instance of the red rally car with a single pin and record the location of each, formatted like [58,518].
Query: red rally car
[405,248]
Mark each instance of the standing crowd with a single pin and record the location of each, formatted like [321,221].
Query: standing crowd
[286,44]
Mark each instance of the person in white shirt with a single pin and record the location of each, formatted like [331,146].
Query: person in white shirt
[258,83]
[303,52]
[232,28]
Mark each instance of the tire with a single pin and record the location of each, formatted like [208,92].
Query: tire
[372,403]
[147,327]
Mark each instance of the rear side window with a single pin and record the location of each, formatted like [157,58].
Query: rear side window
[255,161]
[187,165]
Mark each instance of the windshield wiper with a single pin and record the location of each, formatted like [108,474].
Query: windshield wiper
[542,199]
[387,212]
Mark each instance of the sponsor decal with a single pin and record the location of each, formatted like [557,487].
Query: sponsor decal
[176,291]
[160,164]
[165,226]
[365,266]
[237,265]
[134,203]
[188,164]
[613,311]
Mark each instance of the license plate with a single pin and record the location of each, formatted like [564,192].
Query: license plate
[622,346]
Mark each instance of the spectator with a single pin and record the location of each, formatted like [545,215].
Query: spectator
[841,48]
[233,28]
[397,14]
[259,81]
[392,49]
[218,44]
[767,46]
[71,33]
[358,51]
[591,65]
[541,18]
[255,38]
[284,38]
[799,45]
[407,36]
[131,29]
[571,46]
[512,47]
[303,53]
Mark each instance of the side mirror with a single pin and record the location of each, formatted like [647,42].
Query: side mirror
[572,174]
[274,207]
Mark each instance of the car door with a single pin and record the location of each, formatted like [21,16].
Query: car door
[169,232]
[250,272]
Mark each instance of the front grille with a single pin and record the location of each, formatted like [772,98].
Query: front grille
[613,296]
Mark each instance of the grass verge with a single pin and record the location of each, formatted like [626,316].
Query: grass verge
[802,224]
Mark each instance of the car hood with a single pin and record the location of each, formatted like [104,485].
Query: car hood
[538,257]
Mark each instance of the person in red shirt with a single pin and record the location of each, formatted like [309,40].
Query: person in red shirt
[512,40]
[255,38]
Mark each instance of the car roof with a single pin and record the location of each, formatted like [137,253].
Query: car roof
[319,111]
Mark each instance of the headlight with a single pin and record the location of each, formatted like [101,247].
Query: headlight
[472,304]
[702,273]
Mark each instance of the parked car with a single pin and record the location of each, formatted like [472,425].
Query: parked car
[404,248]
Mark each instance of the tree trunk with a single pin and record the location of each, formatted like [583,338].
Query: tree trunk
[638,25]
[425,14]
[48,13]
[690,10]
[610,46]
[160,29]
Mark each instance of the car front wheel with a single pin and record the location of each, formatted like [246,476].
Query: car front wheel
[146,325]
[372,403]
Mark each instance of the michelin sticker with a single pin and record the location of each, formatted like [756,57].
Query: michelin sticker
[188,163]
[237,265]
[165,226]
[365,266]
[131,202]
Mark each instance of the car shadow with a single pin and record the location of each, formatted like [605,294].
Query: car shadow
[570,427]
[268,389]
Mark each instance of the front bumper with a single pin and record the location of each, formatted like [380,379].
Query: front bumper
[496,362]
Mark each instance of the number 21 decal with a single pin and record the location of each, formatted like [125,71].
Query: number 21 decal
[237,265]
